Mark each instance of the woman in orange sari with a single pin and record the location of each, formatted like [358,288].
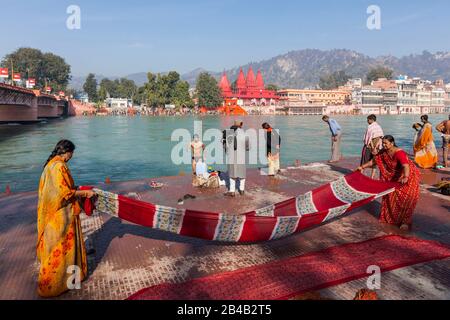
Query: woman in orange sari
[60,246]
[397,208]
[425,153]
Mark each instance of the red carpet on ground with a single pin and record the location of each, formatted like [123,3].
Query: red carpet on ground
[284,279]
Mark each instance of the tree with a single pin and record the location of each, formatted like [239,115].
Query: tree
[379,72]
[107,89]
[126,88]
[208,92]
[90,87]
[334,80]
[56,71]
[150,90]
[166,89]
[181,97]
[46,68]
[272,87]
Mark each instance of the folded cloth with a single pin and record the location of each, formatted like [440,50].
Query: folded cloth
[88,204]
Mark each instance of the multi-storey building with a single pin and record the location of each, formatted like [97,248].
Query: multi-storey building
[447,99]
[407,97]
[371,100]
[437,100]
[424,99]
[379,98]
[326,97]
[312,102]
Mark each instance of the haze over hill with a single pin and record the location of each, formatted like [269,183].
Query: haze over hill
[303,68]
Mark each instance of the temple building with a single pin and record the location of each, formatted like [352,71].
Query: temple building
[249,91]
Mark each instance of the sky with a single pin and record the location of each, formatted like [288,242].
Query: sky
[117,38]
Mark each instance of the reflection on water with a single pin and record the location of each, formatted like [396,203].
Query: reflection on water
[140,147]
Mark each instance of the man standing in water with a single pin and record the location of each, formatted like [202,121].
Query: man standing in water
[444,129]
[336,134]
[197,148]
[236,147]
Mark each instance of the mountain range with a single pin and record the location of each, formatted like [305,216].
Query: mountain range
[303,68]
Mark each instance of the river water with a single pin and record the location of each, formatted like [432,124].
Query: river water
[127,148]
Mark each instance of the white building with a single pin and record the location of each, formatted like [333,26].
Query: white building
[371,100]
[407,97]
[118,104]
[424,100]
[437,100]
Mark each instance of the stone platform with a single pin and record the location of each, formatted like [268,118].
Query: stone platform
[130,257]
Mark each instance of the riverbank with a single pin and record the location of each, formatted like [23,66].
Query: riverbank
[129,258]
[130,148]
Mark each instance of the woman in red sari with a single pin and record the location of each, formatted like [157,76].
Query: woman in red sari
[395,166]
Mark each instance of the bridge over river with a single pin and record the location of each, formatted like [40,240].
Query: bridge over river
[22,105]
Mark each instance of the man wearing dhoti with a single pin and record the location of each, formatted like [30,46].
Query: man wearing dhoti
[236,146]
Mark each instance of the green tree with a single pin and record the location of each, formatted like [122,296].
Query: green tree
[208,92]
[90,87]
[46,68]
[150,91]
[56,71]
[272,87]
[126,88]
[108,89]
[140,96]
[379,72]
[181,97]
[334,80]
[160,90]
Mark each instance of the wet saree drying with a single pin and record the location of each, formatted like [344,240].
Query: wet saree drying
[60,242]
[425,153]
[397,208]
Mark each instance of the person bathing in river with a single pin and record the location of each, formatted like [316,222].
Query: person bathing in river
[397,208]
[60,244]
[197,148]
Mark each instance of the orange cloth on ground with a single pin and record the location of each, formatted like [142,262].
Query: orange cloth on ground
[60,242]
[425,153]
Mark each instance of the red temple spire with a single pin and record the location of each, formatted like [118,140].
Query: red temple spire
[251,83]
[240,83]
[224,84]
[259,81]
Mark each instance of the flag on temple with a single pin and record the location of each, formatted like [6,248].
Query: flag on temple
[48,89]
[17,77]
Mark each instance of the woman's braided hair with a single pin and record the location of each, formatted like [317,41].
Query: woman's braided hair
[61,147]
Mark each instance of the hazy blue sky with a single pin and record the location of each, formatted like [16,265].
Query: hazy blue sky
[122,37]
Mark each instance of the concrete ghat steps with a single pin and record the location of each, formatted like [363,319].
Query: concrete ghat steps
[129,257]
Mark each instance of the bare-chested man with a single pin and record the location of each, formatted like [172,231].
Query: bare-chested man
[444,129]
